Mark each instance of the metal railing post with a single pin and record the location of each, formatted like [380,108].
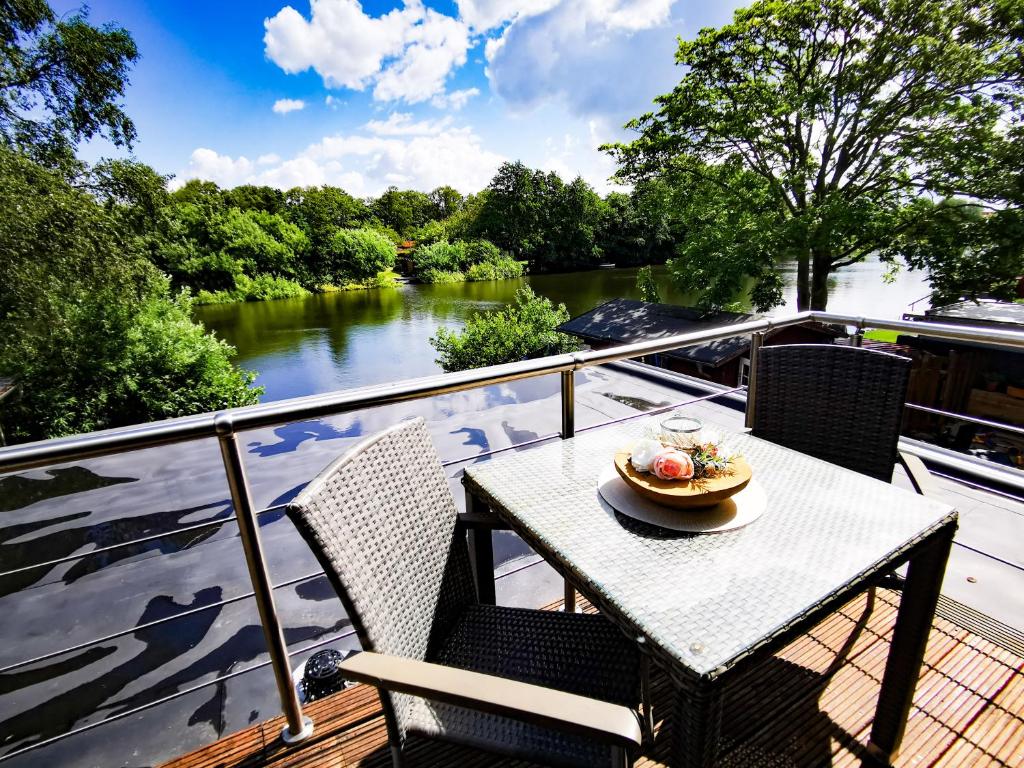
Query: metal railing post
[568,404]
[568,430]
[299,727]
[858,337]
[756,341]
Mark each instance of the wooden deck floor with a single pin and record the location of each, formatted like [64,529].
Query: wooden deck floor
[810,705]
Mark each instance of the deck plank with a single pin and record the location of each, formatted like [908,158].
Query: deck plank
[810,705]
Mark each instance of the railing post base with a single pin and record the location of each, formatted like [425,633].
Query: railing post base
[294,738]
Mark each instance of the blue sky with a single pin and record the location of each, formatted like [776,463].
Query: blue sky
[416,94]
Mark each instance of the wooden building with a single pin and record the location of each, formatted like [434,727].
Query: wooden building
[727,361]
[970,378]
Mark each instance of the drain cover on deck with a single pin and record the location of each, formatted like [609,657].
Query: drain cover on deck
[320,675]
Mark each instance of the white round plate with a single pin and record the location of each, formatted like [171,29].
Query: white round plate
[735,512]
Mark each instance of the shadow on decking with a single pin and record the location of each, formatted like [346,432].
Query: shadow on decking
[808,706]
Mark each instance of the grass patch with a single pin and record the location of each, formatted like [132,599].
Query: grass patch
[385,279]
[878,335]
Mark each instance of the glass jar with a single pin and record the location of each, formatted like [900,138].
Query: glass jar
[681,431]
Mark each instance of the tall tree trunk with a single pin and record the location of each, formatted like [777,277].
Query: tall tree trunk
[803,281]
[822,267]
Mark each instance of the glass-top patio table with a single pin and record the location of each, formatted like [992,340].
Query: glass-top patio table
[708,605]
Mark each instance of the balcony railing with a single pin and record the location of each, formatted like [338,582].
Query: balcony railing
[226,425]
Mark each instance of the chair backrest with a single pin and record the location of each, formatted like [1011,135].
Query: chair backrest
[382,522]
[837,403]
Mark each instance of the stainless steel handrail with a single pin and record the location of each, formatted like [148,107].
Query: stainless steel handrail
[970,419]
[48,452]
[225,424]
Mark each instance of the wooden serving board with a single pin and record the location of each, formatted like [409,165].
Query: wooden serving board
[684,494]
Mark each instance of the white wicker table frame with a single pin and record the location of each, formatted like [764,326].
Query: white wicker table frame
[707,606]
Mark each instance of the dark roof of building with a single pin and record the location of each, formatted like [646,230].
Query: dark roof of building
[982,312]
[624,321]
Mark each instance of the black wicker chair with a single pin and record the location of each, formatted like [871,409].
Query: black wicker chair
[837,403]
[558,688]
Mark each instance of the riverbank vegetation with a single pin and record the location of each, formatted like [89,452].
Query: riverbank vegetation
[253,243]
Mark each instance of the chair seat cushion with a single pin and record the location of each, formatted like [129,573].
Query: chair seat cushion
[578,653]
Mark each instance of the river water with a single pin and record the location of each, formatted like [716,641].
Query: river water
[350,339]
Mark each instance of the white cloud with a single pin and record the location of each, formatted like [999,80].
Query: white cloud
[209,165]
[364,164]
[599,57]
[284,106]
[406,54]
[574,153]
[401,124]
[455,100]
[268,159]
[482,15]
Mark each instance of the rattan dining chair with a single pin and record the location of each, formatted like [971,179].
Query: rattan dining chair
[553,687]
[838,403]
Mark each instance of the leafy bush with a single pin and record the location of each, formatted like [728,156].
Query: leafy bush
[441,256]
[259,288]
[442,276]
[501,268]
[647,285]
[523,329]
[87,326]
[478,251]
[384,279]
[360,253]
[430,233]
[172,367]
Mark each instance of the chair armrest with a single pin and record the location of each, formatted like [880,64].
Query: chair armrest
[919,475]
[605,722]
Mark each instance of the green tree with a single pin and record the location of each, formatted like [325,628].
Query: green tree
[204,246]
[251,197]
[403,210]
[647,285]
[320,212]
[523,329]
[199,192]
[464,224]
[61,81]
[358,254]
[512,213]
[574,213]
[260,242]
[87,324]
[819,123]
[968,251]
[447,202]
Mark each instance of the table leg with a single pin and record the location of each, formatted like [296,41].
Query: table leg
[909,640]
[569,594]
[696,727]
[481,552]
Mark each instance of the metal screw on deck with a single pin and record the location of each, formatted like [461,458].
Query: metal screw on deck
[299,727]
